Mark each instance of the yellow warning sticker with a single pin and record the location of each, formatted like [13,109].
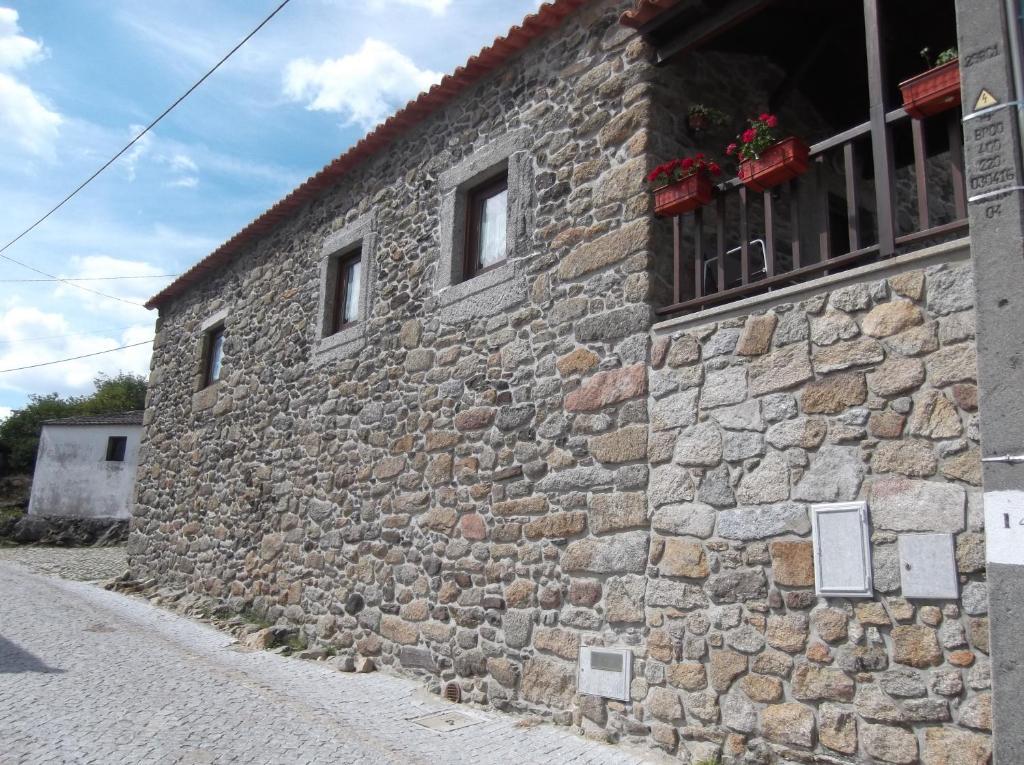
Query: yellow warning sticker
[985,100]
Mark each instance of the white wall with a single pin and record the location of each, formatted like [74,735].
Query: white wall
[74,479]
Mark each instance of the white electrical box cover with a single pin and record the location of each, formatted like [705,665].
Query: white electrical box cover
[842,550]
[605,672]
[928,566]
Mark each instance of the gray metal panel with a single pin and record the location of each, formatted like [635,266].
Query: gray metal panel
[842,550]
[928,566]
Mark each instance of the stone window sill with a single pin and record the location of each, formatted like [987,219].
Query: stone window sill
[341,344]
[484,295]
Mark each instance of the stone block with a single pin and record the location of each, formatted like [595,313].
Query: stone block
[781,369]
[699,446]
[837,728]
[935,416]
[691,519]
[624,445]
[619,554]
[548,682]
[903,504]
[737,586]
[762,688]
[767,483]
[854,353]
[889,744]
[614,325]
[684,558]
[556,526]
[669,484]
[756,337]
[909,457]
[676,411]
[664,704]
[617,512]
[562,643]
[948,746]
[890,318]
[624,598]
[916,646]
[812,683]
[688,675]
[793,563]
[897,375]
[803,432]
[681,595]
[951,290]
[788,632]
[605,251]
[831,395]
[724,386]
[724,667]
[835,475]
[790,724]
[749,523]
[607,388]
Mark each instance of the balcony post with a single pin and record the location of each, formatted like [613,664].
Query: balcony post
[881,138]
[995,205]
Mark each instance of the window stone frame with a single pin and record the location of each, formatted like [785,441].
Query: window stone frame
[360,235]
[504,285]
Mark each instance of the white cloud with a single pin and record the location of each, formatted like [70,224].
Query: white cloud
[20,346]
[15,50]
[5,412]
[365,86]
[139,149]
[24,118]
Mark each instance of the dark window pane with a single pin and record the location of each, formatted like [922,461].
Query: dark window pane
[346,292]
[116,447]
[216,356]
[486,226]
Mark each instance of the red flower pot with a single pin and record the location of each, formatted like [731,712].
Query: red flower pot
[787,159]
[684,195]
[933,92]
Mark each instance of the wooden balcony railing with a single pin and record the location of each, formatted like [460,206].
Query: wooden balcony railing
[842,213]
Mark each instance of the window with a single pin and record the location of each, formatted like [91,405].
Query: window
[116,446]
[487,211]
[346,291]
[214,355]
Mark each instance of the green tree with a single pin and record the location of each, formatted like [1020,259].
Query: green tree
[19,433]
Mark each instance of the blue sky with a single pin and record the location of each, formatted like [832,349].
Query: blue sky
[79,77]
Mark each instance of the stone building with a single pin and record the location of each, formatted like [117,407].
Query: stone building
[462,404]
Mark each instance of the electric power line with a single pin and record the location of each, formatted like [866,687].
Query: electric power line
[113,159]
[86,279]
[61,337]
[75,358]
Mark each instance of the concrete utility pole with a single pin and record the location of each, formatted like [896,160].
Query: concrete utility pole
[990,71]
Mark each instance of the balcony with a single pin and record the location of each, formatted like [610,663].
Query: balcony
[880,183]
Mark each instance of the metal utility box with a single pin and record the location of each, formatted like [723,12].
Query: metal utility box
[842,550]
[605,672]
[928,566]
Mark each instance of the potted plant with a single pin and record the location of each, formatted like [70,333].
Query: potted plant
[700,118]
[765,159]
[682,185]
[936,90]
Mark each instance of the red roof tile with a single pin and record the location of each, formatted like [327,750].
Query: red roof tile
[645,11]
[548,16]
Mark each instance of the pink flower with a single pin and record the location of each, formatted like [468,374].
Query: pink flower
[749,135]
[765,117]
[772,121]
[731,149]
[714,169]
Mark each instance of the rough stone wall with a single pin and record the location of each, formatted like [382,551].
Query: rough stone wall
[427,500]
[473,497]
[867,392]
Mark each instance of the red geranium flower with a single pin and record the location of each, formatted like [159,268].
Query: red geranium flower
[714,168]
[772,121]
[731,149]
[749,135]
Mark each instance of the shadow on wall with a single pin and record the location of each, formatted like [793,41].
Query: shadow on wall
[14,660]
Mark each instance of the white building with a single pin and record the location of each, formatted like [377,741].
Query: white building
[85,467]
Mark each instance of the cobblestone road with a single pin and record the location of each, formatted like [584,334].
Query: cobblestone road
[90,676]
[84,564]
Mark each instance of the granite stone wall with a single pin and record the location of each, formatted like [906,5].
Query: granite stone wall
[485,477]
[866,392]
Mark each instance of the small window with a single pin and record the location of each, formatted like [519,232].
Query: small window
[214,355]
[116,446]
[487,210]
[346,291]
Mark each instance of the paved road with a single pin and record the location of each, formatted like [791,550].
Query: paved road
[84,564]
[90,676]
